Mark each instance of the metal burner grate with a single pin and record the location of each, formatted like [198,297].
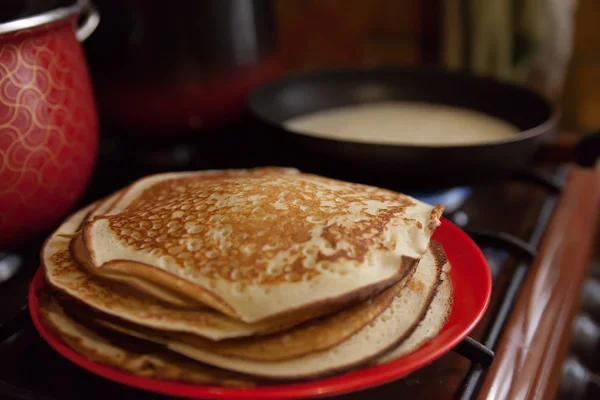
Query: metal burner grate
[481,354]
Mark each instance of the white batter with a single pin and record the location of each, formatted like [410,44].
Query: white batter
[404,123]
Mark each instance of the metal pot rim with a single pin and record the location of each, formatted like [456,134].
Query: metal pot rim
[44,18]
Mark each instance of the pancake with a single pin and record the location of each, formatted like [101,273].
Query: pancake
[66,276]
[310,337]
[103,206]
[165,296]
[435,319]
[137,358]
[404,123]
[258,244]
[385,332]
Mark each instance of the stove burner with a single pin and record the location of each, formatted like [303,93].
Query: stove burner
[9,266]
[16,269]
[496,259]
[452,199]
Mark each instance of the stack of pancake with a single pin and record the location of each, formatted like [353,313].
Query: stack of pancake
[242,276]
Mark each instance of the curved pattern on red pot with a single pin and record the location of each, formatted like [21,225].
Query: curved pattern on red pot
[48,128]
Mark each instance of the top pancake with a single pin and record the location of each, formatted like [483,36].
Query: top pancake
[258,243]
[68,278]
[165,296]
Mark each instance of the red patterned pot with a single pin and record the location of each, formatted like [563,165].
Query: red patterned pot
[48,122]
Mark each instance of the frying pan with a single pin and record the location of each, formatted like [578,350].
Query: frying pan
[414,166]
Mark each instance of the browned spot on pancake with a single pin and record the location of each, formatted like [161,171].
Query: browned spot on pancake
[301,236]
[62,261]
[416,285]
[434,217]
[229,224]
[438,253]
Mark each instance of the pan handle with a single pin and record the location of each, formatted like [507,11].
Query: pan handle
[583,151]
[587,150]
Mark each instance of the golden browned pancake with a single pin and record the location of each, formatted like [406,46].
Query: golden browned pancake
[256,244]
[66,276]
[435,319]
[137,358]
[103,206]
[386,331]
[383,333]
[316,335]
[168,297]
[310,337]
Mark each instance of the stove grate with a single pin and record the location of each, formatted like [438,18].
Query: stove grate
[481,354]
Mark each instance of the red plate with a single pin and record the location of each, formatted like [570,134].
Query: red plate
[472,289]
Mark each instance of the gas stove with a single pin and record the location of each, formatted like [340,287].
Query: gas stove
[536,231]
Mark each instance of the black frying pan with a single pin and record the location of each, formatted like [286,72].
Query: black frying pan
[412,166]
